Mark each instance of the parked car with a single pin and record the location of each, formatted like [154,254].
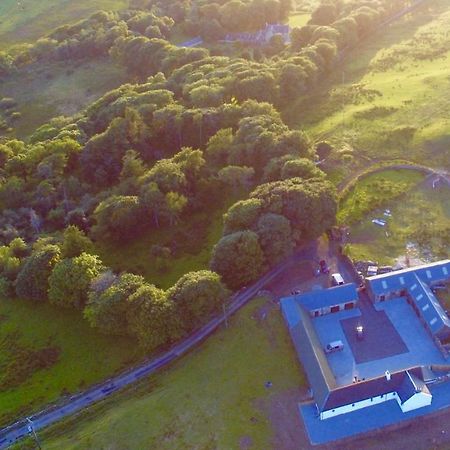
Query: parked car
[336,279]
[359,332]
[324,266]
[334,346]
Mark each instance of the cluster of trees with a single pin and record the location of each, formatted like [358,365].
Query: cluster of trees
[212,20]
[67,274]
[89,38]
[262,230]
[339,24]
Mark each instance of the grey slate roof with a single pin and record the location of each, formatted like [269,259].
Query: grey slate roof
[321,298]
[400,279]
[416,281]
[309,350]
[327,394]
[429,307]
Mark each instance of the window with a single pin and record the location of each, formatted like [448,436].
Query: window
[382,298]
[353,405]
[371,399]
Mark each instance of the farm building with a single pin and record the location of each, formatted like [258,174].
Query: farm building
[260,37]
[325,301]
[395,361]
[416,285]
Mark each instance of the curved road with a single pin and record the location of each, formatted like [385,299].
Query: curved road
[76,403]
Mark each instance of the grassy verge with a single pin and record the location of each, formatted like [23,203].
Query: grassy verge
[375,191]
[28,20]
[213,398]
[85,356]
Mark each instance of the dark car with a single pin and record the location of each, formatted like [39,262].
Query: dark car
[324,266]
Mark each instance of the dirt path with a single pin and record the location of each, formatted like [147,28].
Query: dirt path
[348,182]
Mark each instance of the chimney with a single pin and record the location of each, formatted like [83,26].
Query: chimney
[388,375]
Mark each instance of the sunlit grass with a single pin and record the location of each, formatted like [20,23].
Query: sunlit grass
[211,398]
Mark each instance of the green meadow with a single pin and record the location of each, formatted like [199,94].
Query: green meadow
[389,98]
[214,397]
[85,356]
[24,21]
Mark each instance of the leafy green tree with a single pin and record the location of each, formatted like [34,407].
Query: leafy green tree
[32,280]
[107,305]
[242,215]
[71,278]
[175,205]
[218,147]
[75,242]
[237,177]
[154,202]
[301,168]
[238,258]
[152,317]
[197,295]
[119,217]
[275,237]
[310,205]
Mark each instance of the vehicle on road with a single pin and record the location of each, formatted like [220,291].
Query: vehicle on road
[336,279]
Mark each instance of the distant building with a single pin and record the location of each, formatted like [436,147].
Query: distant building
[260,37]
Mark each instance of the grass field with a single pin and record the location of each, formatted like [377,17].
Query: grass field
[85,356]
[214,398]
[58,89]
[419,228]
[390,98]
[195,239]
[298,20]
[27,20]
[374,191]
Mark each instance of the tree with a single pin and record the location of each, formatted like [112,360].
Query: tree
[75,242]
[196,296]
[32,280]
[237,177]
[301,168]
[275,237]
[242,215]
[152,317]
[238,258]
[175,204]
[153,201]
[119,217]
[310,205]
[218,147]
[107,305]
[71,278]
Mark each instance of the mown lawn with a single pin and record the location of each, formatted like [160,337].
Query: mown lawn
[27,20]
[193,240]
[86,357]
[389,99]
[374,191]
[211,399]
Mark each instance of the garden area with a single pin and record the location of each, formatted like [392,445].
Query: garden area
[417,229]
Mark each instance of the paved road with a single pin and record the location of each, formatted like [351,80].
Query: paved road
[80,401]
